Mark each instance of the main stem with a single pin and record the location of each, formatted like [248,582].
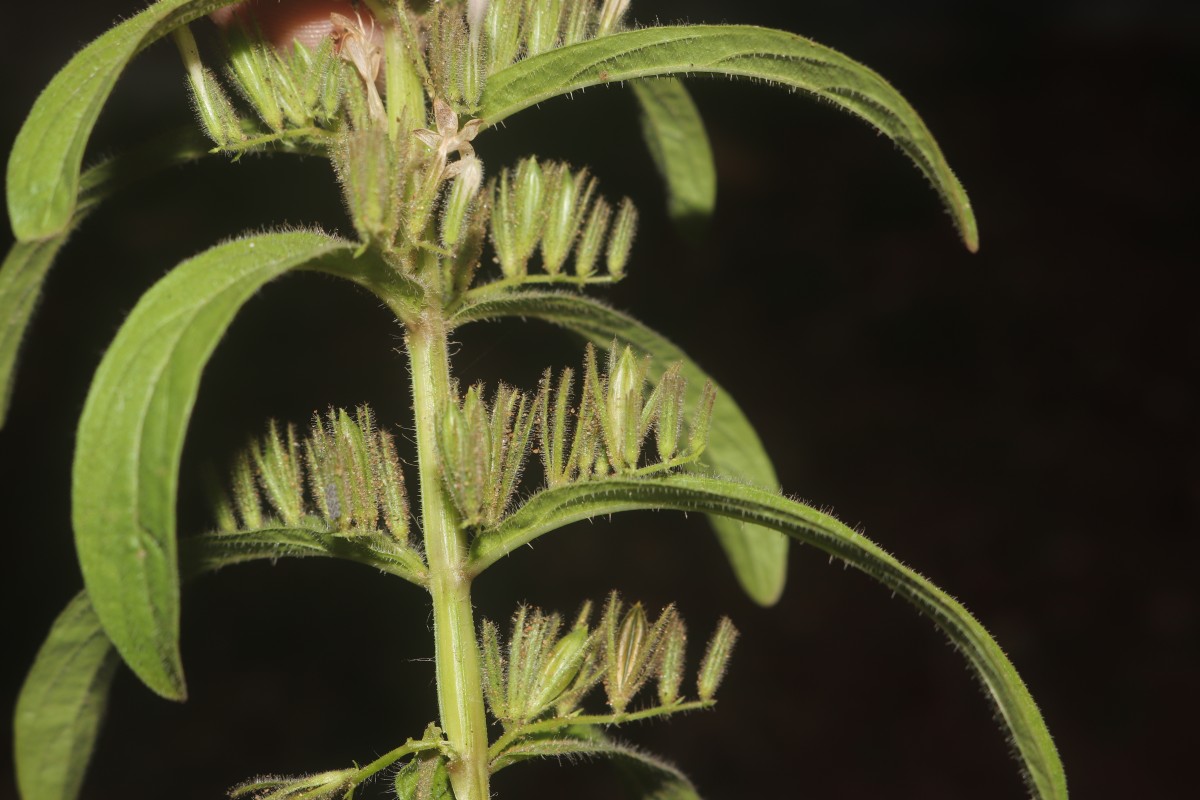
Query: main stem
[456,652]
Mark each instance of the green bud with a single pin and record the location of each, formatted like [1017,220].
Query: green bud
[529,198]
[532,640]
[716,659]
[391,480]
[278,465]
[553,426]
[592,239]
[622,413]
[216,112]
[245,495]
[493,671]
[543,19]
[612,13]
[502,29]
[669,422]
[578,20]
[569,197]
[251,67]
[620,241]
[702,420]
[424,777]
[465,456]
[670,669]
[504,227]
[463,193]
[366,169]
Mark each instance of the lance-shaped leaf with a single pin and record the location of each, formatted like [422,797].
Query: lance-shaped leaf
[131,434]
[645,776]
[678,143]
[61,705]
[46,159]
[745,51]
[553,508]
[62,701]
[758,555]
[25,267]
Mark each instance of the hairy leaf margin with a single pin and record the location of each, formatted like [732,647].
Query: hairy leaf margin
[47,157]
[553,508]
[131,435]
[774,56]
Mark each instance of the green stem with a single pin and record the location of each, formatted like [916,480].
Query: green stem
[557,723]
[386,760]
[456,652]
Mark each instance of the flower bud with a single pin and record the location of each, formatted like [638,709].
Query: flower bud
[216,112]
[669,422]
[620,241]
[716,659]
[529,196]
[592,239]
[670,670]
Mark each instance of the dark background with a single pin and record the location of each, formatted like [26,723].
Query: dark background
[1019,425]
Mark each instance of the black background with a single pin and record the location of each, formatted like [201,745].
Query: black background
[1019,425]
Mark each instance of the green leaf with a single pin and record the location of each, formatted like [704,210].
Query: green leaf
[745,51]
[21,277]
[25,267]
[62,701]
[646,776]
[61,705]
[758,555]
[46,159]
[553,508]
[678,143]
[131,436]
[212,551]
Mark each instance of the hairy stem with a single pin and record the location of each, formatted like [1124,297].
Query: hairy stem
[456,653]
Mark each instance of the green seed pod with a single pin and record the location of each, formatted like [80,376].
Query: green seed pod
[716,659]
[620,241]
[592,239]
[559,669]
[670,669]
